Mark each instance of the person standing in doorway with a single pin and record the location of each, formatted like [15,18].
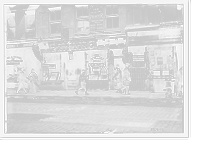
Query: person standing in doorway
[126,79]
[23,82]
[118,78]
[83,85]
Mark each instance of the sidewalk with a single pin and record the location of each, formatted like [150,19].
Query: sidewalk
[94,95]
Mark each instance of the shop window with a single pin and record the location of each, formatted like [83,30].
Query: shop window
[161,58]
[82,13]
[112,16]
[139,14]
[55,20]
[30,24]
[51,67]
[97,65]
[170,12]
[10,26]
[153,14]
[83,26]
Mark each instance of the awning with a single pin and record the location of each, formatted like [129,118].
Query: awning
[154,36]
[154,42]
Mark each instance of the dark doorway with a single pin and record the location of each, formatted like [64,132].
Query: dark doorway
[74,65]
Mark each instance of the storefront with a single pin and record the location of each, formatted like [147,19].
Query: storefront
[114,44]
[64,60]
[97,69]
[18,58]
[157,57]
[69,58]
[54,53]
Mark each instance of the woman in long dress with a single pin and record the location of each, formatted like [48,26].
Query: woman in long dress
[33,77]
[23,82]
[118,78]
[126,79]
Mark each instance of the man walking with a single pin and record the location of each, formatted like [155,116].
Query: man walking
[180,81]
[22,80]
[118,77]
[83,78]
[126,78]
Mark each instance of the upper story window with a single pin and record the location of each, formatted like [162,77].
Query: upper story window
[82,11]
[139,15]
[112,17]
[10,26]
[82,14]
[153,14]
[30,24]
[171,13]
[55,20]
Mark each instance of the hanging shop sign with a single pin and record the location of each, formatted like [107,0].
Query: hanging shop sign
[13,60]
[71,55]
[96,18]
[82,44]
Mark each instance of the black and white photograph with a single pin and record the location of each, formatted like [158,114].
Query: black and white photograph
[96,70]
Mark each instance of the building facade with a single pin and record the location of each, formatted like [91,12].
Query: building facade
[58,41]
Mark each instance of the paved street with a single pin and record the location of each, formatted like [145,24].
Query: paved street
[81,115]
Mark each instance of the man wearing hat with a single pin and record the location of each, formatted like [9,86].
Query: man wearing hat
[118,78]
[126,78]
[82,83]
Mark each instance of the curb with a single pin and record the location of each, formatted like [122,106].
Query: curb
[108,100]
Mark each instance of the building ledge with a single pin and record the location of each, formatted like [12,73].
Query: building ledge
[28,40]
[153,26]
[141,27]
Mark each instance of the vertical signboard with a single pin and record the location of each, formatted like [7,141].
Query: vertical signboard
[96,18]
[97,65]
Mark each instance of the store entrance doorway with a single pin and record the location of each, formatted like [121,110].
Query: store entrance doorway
[75,64]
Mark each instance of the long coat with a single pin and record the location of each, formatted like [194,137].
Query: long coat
[126,74]
[22,77]
[118,78]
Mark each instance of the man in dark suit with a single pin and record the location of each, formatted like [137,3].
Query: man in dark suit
[126,76]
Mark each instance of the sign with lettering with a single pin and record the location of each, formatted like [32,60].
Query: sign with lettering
[57,46]
[79,44]
[82,44]
[96,18]
[97,65]
[13,60]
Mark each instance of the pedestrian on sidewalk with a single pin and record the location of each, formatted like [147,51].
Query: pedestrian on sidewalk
[83,85]
[34,82]
[126,79]
[23,82]
[180,82]
[118,78]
